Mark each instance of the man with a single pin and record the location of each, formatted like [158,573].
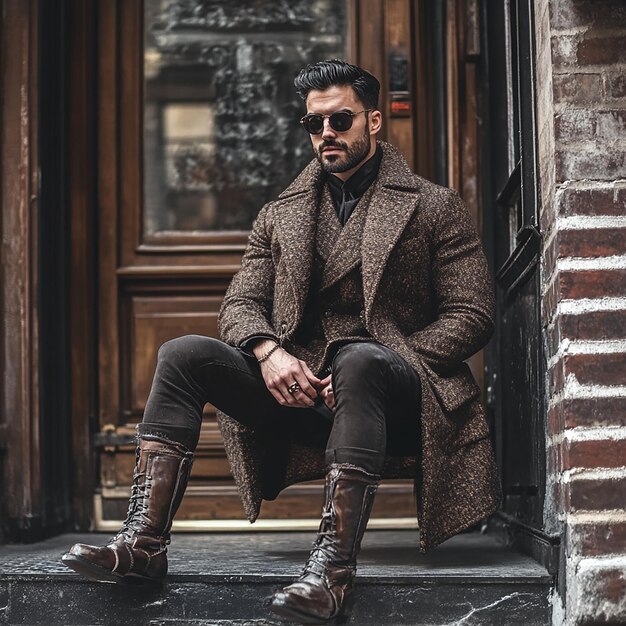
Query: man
[361,292]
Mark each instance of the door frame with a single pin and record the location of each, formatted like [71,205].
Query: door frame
[98,34]
[37,476]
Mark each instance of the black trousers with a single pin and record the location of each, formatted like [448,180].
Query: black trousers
[377,395]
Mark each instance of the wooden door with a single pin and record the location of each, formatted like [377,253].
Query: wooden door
[192,98]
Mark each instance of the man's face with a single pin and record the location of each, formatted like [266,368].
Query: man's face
[341,152]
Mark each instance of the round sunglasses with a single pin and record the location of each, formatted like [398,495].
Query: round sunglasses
[340,121]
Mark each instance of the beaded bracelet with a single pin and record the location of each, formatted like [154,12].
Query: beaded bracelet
[269,353]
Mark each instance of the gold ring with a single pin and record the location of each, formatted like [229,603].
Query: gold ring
[293,388]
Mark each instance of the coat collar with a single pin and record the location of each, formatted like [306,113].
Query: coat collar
[394,172]
[393,202]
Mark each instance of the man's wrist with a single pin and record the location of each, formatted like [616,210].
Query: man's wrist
[262,347]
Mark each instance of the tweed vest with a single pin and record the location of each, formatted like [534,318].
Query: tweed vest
[334,311]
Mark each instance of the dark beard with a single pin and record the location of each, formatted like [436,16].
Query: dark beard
[351,157]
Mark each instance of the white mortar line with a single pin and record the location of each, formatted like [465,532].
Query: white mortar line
[590,145]
[589,183]
[573,390]
[591,433]
[580,222]
[588,222]
[612,515]
[571,30]
[603,137]
[600,107]
[591,562]
[588,305]
[592,32]
[588,433]
[581,264]
[586,184]
[572,263]
[592,517]
[600,346]
[597,473]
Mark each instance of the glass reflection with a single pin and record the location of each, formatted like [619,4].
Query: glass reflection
[221,132]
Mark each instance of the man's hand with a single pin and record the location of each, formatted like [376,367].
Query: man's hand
[281,370]
[326,391]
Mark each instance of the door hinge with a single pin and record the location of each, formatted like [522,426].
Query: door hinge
[109,439]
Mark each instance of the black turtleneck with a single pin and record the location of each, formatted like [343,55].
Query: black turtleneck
[346,195]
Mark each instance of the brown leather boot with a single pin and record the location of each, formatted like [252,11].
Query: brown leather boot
[139,548]
[323,592]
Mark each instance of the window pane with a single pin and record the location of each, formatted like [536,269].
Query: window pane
[221,131]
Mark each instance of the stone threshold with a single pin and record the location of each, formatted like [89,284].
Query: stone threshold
[223,578]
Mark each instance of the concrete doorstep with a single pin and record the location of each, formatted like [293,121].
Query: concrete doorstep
[223,579]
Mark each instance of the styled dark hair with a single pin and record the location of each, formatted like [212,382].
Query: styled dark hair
[325,74]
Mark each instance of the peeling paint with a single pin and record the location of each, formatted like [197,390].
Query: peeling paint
[558,610]
[590,599]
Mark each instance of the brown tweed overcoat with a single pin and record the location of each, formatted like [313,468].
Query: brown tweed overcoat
[427,294]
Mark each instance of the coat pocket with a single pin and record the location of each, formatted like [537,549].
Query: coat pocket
[456,390]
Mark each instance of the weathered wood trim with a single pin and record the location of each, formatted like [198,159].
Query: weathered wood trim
[81,195]
[453,73]
[424,89]
[370,29]
[130,85]
[19,200]
[108,211]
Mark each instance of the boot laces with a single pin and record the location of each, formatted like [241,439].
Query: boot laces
[324,546]
[136,516]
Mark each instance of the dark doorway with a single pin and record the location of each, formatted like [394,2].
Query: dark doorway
[515,363]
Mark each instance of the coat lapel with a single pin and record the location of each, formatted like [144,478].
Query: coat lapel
[328,226]
[346,253]
[395,199]
[295,221]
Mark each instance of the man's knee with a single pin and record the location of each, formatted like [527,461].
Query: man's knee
[361,360]
[183,351]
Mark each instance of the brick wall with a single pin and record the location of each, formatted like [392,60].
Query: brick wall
[581,114]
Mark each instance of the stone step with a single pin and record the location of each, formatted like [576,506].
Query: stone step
[222,579]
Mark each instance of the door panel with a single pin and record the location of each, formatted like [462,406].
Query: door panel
[153,320]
